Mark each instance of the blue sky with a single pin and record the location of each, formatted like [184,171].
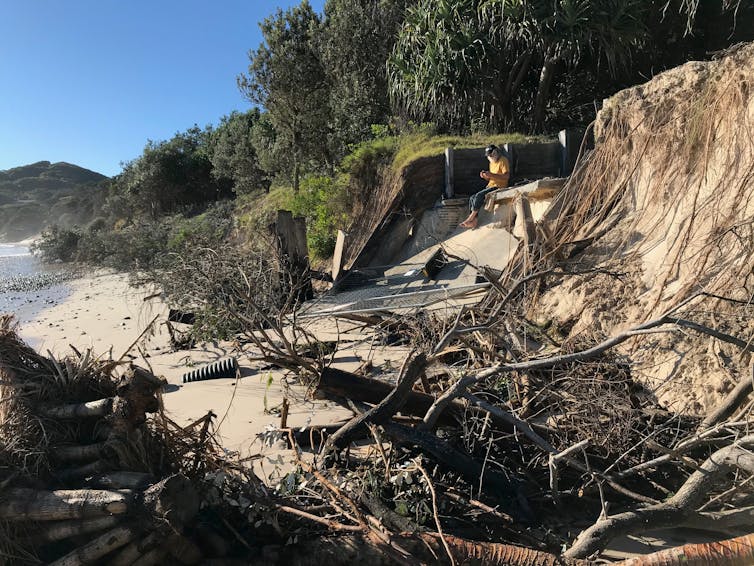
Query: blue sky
[90,81]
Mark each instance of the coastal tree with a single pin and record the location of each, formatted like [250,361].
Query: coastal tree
[233,154]
[170,175]
[286,77]
[355,40]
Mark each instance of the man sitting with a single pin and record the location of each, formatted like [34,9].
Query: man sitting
[497,178]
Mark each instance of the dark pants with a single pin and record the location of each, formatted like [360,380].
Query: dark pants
[476,202]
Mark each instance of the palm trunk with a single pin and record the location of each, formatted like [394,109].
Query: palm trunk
[516,75]
[22,504]
[61,530]
[97,548]
[543,92]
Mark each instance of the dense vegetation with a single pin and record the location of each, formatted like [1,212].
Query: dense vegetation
[370,84]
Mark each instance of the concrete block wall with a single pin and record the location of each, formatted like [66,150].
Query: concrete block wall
[530,161]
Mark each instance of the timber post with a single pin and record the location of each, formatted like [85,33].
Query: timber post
[449,174]
[337,258]
[290,239]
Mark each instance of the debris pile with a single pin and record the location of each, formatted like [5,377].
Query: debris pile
[491,443]
[510,435]
[90,467]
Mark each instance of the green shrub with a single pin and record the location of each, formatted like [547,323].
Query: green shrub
[133,247]
[320,200]
[57,244]
[208,229]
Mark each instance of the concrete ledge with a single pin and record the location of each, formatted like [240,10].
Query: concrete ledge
[538,190]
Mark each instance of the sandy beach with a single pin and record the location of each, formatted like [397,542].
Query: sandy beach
[102,312]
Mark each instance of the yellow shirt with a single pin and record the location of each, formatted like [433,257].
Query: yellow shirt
[499,167]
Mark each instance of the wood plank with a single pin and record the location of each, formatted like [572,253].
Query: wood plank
[524,228]
[337,258]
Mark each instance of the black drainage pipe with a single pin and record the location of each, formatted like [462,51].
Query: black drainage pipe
[227,367]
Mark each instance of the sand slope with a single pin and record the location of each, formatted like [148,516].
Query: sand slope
[669,197]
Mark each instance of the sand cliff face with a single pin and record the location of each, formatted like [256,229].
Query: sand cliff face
[668,196]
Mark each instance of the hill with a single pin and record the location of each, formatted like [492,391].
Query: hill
[35,195]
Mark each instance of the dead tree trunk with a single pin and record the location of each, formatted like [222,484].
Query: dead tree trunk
[290,237]
[342,384]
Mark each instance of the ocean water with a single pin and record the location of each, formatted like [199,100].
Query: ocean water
[27,285]
[16,261]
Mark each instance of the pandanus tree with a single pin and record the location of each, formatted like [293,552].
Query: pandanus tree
[455,56]
[690,8]
[446,64]
[562,32]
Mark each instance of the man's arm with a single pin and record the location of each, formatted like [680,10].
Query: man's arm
[499,172]
[497,177]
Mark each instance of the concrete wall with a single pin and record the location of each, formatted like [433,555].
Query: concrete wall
[422,185]
[530,161]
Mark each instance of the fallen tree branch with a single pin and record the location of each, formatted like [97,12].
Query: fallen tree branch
[684,445]
[459,387]
[412,369]
[722,336]
[722,520]
[449,456]
[732,401]
[675,510]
